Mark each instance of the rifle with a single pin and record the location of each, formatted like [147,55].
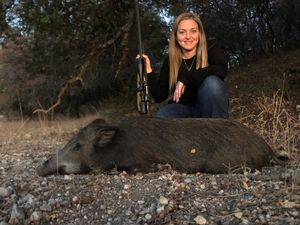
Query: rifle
[143,96]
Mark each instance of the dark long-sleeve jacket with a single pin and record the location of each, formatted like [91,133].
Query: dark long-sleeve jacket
[159,85]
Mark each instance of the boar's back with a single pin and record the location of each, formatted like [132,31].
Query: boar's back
[190,145]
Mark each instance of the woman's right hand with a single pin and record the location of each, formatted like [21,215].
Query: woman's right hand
[179,90]
[147,62]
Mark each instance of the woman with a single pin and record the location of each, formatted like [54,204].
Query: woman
[192,74]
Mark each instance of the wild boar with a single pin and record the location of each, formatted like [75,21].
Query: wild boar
[188,145]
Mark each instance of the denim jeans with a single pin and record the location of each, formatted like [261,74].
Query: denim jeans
[212,102]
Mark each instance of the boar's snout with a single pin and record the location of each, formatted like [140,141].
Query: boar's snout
[47,168]
[43,169]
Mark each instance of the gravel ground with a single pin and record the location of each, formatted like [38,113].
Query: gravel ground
[270,196]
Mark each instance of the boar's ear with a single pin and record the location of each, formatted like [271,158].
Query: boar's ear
[98,121]
[106,135]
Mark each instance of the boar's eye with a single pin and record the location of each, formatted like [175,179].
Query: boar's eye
[77,147]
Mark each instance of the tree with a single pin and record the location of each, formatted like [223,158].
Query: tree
[5,28]
[93,42]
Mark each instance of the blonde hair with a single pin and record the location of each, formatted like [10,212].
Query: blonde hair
[175,52]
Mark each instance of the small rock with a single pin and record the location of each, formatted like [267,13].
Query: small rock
[238,215]
[29,198]
[52,202]
[200,220]
[202,186]
[128,212]
[245,221]
[160,210]
[193,151]
[36,216]
[188,180]
[4,192]
[163,200]
[181,186]
[68,177]
[126,187]
[213,181]
[75,199]
[294,213]
[148,217]
[3,223]
[46,208]
[17,215]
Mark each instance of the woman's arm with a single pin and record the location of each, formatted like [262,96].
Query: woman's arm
[159,85]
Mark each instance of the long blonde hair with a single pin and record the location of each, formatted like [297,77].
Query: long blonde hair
[175,52]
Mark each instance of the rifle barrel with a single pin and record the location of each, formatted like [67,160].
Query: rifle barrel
[139,27]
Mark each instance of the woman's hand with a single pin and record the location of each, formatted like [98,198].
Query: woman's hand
[147,63]
[179,90]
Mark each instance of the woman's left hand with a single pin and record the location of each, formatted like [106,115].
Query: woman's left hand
[179,90]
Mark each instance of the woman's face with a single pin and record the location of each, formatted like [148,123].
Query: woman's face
[187,35]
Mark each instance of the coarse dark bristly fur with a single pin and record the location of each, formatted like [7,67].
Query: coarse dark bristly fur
[189,145]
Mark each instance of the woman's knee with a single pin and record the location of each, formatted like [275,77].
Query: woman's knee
[174,111]
[162,113]
[212,86]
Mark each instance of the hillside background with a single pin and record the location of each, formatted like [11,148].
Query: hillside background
[89,49]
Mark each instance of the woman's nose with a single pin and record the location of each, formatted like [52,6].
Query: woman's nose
[188,35]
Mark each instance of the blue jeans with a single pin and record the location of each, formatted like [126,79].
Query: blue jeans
[212,102]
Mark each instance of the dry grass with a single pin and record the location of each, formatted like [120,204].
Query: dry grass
[272,119]
[37,130]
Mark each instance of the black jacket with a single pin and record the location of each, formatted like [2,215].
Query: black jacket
[159,85]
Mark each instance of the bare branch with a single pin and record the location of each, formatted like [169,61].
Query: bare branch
[80,77]
[124,45]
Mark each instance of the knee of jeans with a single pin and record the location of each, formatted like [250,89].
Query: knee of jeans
[212,86]
[161,113]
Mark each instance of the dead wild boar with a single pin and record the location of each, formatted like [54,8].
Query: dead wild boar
[136,144]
